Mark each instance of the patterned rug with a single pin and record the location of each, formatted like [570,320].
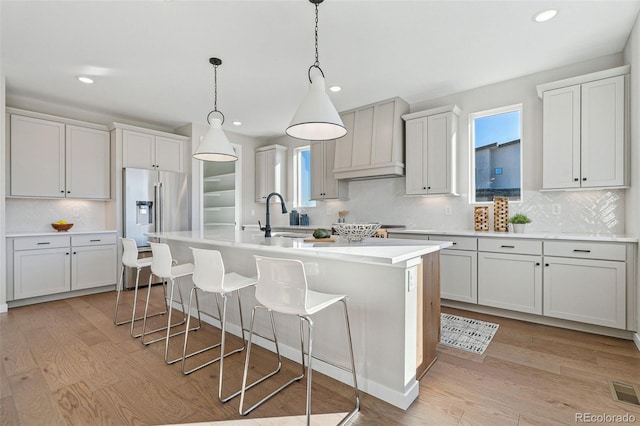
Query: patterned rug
[465,333]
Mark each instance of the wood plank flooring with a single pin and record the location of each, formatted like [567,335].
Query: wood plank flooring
[65,363]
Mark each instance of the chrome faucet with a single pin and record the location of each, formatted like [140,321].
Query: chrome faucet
[267,227]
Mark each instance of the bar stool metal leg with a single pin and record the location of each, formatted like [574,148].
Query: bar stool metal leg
[185,319]
[135,304]
[168,308]
[120,286]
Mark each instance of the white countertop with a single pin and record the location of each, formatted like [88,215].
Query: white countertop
[372,250]
[539,236]
[56,233]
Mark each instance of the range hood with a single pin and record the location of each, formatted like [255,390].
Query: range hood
[373,147]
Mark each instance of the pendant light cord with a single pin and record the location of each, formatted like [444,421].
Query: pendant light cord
[316,64]
[215,62]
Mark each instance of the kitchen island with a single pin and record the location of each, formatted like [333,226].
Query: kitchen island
[393,290]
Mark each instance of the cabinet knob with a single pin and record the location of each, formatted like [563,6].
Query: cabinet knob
[428,187]
[68,192]
[62,191]
[67,254]
[424,187]
[584,179]
[75,252]
[546,264]
[575,179]
[537,263]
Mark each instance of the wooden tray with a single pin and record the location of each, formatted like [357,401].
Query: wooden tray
[320,240]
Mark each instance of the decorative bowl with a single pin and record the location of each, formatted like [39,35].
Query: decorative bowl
[356,231]
[60,227]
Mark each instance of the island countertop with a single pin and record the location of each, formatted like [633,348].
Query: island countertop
[388,251]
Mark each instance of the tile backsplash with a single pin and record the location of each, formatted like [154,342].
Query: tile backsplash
[32,215]
[383,200]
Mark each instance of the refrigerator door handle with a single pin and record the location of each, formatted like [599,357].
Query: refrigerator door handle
[159,207]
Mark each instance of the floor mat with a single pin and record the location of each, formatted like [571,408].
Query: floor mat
[466,333]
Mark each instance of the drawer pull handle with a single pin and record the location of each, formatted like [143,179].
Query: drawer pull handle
[581,251]
[503,246]
[40,244]
[454,243]
[94,241]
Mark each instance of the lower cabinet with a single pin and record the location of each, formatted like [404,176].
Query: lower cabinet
[458,278]
[57,264]
[510,281]
[584,289]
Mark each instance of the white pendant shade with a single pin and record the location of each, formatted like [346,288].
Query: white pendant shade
[316,118]
[215,146]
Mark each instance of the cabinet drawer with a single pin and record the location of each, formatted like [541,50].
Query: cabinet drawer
[459,243]
[33,243]
[585,250]
[93,239]
[504,245]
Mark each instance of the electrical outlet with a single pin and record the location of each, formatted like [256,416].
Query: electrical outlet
[448,211]
[253,212]
[555,209]
[75,212]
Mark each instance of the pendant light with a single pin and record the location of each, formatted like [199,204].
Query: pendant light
[316,118]
[215,146]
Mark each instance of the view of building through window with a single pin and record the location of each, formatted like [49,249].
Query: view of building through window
[497,159]
[302,181]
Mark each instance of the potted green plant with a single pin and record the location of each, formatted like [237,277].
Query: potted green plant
[519,220]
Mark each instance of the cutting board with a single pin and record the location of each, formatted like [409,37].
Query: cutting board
[320,240]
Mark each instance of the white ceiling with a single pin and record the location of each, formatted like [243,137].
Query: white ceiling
[150,59]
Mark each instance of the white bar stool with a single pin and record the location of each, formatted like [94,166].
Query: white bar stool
[209,276]
[130,260]
[282,287]
[165,268]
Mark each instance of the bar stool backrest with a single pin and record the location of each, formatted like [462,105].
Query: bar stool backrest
[129,252]
[162,261]
[282,285]
[208,274]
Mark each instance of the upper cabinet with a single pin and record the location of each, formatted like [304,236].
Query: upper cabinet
[430,151]
[324,186]
[56,159]
[374,144]
[585,131]
[146,150]
[271,171]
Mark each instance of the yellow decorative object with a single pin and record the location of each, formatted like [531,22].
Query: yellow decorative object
[501,214]
[481,218]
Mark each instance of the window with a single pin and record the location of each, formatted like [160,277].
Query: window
[496,160]
[302,178]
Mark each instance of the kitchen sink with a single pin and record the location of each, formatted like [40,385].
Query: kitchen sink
[290,235]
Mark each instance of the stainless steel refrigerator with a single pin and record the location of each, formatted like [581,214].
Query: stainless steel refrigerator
[154,201]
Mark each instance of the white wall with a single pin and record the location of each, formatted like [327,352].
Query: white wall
[584,212]
[3,256]
[632,57]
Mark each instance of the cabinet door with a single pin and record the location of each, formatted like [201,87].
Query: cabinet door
[318,160]
[416,182]
[437,163]
[88,163]
[93,266]
[458,275]
[332,188]
[169,155]
[37,157]
[590,291]
[362,137]
[344,145]
[261,176]
[561,138]
[510,282]
[41,272]
[603,133]
[138,150]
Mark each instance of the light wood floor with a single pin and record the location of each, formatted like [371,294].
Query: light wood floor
[65,362]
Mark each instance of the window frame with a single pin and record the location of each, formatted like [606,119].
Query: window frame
[472,149]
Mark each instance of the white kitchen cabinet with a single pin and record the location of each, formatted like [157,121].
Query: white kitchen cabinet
[584,140]
[458,269]
[510,274]
[585,282]
[56,160]
[144,150]
[93,261]
[431,151]
[271,172]
[46,265]
[374,143]
[323,185]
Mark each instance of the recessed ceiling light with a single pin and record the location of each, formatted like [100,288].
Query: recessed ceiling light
[237,123]
[545,15]
[335,88]
[85,79]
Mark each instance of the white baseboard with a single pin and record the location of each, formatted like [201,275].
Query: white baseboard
[4,308]
[636,340]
